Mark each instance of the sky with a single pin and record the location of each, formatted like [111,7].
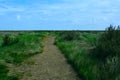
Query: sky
[58,14]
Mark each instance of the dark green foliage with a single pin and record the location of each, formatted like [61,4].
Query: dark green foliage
[107,53]
[3,69]
[12,78]
[109,70]
[18,57]
[69,35]
[9,40]
[108,44]
[3,72]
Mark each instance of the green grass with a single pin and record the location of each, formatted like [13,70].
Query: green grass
[3,73]
[28,45]
[89,38]
[107,53]
[77,51]
[95,56]
[12,52]
[78,56]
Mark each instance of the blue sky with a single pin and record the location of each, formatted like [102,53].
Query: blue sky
[58,14]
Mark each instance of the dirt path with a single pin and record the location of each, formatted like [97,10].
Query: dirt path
[50,65]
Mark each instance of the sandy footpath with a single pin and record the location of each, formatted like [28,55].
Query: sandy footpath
[49,65]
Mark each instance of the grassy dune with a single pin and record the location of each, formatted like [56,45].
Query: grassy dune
[16,47]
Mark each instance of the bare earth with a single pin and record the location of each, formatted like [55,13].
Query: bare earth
[49,65]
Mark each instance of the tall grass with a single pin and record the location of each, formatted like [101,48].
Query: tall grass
[98,59]
[78,57]
[89,38]
[77,53]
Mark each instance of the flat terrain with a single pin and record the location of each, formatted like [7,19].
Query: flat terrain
[49,65]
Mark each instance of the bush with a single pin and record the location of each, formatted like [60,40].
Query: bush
[70,35]
[107,53]
[9,40]
[108,44]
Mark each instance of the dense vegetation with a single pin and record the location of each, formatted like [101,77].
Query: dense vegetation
[16,47]
[107,53]
[94,55]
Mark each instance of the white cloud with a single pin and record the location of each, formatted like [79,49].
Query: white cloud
[18,17]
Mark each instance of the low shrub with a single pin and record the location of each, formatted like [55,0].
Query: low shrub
[69,35]
[107,54]
[9,40]
[108,44]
